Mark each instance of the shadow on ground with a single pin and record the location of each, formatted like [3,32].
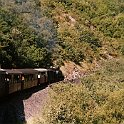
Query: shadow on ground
[12,107]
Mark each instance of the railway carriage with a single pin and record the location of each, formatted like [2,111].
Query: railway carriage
[13,80]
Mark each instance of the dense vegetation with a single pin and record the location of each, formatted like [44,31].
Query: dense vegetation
[87,29]
[98,99]
[24,41]
[32,31]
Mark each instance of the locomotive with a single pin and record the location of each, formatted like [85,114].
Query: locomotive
[13,80]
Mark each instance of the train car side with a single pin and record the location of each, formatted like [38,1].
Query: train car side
[13,80]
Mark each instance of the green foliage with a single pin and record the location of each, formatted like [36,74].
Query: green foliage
[75,30]
[112,111]
[23,45]
[90,25]
[99,99]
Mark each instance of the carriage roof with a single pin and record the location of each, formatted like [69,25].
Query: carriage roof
[18,71]
[22,71]
[28,71]
[41,69]
[10,71]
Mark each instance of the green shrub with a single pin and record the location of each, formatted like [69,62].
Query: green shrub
[99,99]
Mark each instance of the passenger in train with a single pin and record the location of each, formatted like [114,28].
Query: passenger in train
[23,79]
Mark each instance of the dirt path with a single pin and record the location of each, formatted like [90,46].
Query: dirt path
[35,103]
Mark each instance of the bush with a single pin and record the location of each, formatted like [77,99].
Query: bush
[99,99]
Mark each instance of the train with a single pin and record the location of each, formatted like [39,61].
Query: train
[13,80]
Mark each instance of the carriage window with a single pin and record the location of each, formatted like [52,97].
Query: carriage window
[42,73]
[25,77]
[2,78]
[8,78]
[16,78]
[35,76]
[29,77]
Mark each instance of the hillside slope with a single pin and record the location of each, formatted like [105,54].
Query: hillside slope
[40,33]
[86,29]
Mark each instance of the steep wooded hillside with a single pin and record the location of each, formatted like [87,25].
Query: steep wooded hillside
[87,29]
[39,33]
